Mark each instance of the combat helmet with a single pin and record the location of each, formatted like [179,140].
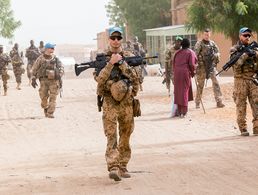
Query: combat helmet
[119,90]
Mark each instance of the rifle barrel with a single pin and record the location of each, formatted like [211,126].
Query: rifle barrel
[150,57]
[219,72]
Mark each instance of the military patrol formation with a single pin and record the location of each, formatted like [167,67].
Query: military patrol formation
[118,84]
[42,64]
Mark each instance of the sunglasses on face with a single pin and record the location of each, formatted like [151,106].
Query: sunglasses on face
[246,35]
[115,38]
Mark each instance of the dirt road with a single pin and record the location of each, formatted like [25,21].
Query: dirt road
[200,154]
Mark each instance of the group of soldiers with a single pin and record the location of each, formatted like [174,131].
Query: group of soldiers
[42,64]
[244,61]
[15,57]
[207,53]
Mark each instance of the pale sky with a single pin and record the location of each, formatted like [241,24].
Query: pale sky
[59,21]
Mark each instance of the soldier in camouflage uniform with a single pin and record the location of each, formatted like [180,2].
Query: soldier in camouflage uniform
[4,60]
[17,63]
[207,49]
[41,47]
[32,53]
[117,84]
[129,47]
[244,87]
[138,50]
[49,70]
[169,56]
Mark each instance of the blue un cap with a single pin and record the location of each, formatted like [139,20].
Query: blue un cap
[49,45]
[244,29]
[114,29]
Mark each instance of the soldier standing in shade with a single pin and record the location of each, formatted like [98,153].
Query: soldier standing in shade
[244,87]
[17,63]
[117,84]
[4,60]
[49,70]
[32,53]
[208,57]
[169,56]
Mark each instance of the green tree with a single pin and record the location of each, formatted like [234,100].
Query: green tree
[224,16]
[7,22]
[139,14]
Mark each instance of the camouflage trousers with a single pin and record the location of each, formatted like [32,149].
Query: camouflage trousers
[201,76]
[168,77]
[115,114]
[29,71]
[48,92]
[5,77]
[245,89]
[18,71]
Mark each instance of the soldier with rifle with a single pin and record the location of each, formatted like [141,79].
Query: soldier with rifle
[244,60]
[4,61]
[208,57]
[17,63]
[118,84]
[49,70]
[32,53]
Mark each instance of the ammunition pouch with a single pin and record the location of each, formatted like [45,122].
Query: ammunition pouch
[136,108]
[57,74]
[50,74]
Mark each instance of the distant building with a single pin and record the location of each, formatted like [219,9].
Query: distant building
[102,41]
[158,39]
[80,53]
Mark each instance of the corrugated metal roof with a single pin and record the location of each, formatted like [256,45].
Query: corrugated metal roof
[169,31]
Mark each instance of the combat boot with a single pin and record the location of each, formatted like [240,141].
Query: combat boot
[244,132]
[220,104]
[18,86]
[197,105]
[50,116]
[124,173]
[114,174]
[45,112]
[255,131]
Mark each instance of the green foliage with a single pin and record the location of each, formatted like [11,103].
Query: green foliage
[225,16]
[139,14]
[7,22]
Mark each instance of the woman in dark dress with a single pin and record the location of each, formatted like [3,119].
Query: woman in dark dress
[184,65]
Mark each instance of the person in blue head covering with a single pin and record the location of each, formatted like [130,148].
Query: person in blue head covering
[49,70]
[118,84]
[245,79]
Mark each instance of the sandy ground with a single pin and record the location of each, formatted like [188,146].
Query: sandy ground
[200,154]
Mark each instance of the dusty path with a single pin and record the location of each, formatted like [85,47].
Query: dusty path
[201,154]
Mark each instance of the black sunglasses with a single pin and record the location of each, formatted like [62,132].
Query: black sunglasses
[116,37]
[246,35]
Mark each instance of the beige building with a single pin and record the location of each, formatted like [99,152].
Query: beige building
[102,41]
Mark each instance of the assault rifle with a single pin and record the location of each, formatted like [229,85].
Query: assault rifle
[209,62]
[102,59]
[237,54]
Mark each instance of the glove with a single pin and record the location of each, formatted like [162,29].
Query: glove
[34,83]
[250,52]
